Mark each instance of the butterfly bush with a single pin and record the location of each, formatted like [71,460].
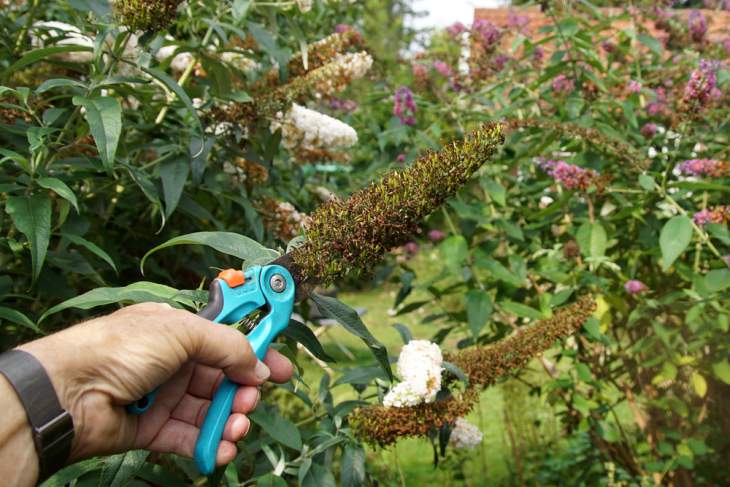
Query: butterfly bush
[568,175]
[419,367]
[404,107]
[304,128]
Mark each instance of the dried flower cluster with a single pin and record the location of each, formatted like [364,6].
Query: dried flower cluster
[705,167]
[382,426]
[319,53]
[281,218]
[325,81]
[465,435]
[305,129]
[716,214]
[350,236]
[419,366]
[484,365]
[146,15]
[624,152]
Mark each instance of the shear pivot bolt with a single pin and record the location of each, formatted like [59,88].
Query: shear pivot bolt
[278,283]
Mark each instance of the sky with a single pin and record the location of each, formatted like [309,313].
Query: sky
[442,13]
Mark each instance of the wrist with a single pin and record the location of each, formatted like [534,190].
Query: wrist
[18,458]
[62,371]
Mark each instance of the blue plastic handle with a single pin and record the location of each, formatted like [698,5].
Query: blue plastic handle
[281,304]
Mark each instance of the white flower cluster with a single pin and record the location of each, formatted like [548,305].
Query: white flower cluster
[465,435]
[240,61]
[62,34]
[419,366]
[355,64]
[309,129]
[180,62]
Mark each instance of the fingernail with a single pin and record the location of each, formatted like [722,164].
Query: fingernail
[261,371]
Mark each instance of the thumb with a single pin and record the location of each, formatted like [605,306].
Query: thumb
[221,346]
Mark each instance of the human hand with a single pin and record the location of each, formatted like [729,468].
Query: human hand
[99,366]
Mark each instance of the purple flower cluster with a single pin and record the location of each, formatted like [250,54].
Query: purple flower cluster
[341,28]
[436,235]
[347,106]
[538,55]
[702,84]
[517,21]
[701,167]
[659,105]
[633,86]
[456,29]
[487,33]
[442,67]
[702,218]
[569,175]
[649,130]
[634,286]
[499,62]
[563,84]
[404,107]
[697,25]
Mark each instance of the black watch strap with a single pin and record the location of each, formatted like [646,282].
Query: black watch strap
[53,428]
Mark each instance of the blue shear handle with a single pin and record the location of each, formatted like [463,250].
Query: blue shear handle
[281,305]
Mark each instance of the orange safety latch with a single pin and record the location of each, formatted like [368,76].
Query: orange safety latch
[233,277]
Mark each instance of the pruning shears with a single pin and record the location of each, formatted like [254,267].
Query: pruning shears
[232,296]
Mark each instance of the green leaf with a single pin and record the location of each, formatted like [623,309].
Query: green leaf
[318,476]
[91,247]
[178,90]
[104,116]
[699,383]
[647,182]
[348,317]
[58,82]
[280,429]
[722,371]
[174,174]
[454,369]
[495,191]
[404,332]
[651,42]
[138,292]
[41,55]
[301,333]
[717,280]
[453,252]
[239,9]
[31,215]
[120,469]
[592,239]
[353,466]
[68,474]
[521,310]
[674,239]
[499,271]
[270,480]
[15,316]
[478,310]
[227,243]
[61,189]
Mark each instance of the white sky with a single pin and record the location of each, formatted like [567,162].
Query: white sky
[442,13]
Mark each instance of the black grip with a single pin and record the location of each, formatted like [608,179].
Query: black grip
[215,302]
